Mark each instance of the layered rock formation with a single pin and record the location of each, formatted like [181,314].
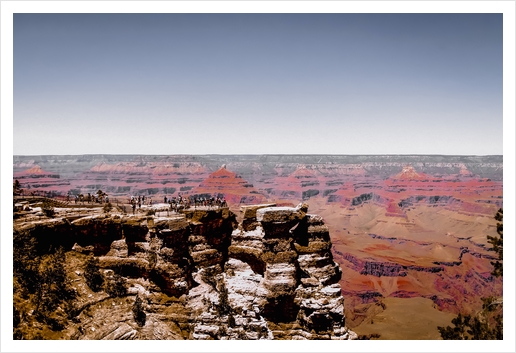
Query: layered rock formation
[296,280]
[234,188]
[201,276]
[37,179]
[408,173]
[142,177]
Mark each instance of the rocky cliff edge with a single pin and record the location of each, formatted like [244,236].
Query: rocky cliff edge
[201,275]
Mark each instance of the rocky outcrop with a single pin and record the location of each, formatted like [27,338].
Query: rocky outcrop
[386,269]
[383,269]
[408,173]
[281,267]
[270,277]
[249,215]
[35,178]
[210,235]
[234,188]
[141,177]
[100,231]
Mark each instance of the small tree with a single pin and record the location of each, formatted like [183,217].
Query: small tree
[41,281]
[116,286]
[107,207]
[101,194]
[209,274]
[55,291]
[223,308]
[92,274]
[152,253]
[458,331]
[497,243]
[17,190]
[26,261]
[54,272]
[139,314]
[47,208]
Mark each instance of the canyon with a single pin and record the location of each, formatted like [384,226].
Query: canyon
[199,275]
[406,231]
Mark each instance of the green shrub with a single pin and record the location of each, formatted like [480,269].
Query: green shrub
[54,291]
[47,209]
[43,284]
[223,308]
[139,314]
[26,262]
[92,274]
[107,207]
[117,286]
[152,258]
[209,274]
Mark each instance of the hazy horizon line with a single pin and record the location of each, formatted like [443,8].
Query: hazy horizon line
[260,154]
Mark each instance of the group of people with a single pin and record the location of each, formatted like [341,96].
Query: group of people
[196,201]
[176,203]
[96,198]
[181,202]
[138,201]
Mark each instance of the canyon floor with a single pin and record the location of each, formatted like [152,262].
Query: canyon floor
[413,298]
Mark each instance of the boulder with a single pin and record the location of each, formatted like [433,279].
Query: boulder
[278,215]
[118,249]
[249,211]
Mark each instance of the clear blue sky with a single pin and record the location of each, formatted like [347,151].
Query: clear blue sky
[258,83]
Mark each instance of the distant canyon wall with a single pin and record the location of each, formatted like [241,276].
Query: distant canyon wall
[255,179]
